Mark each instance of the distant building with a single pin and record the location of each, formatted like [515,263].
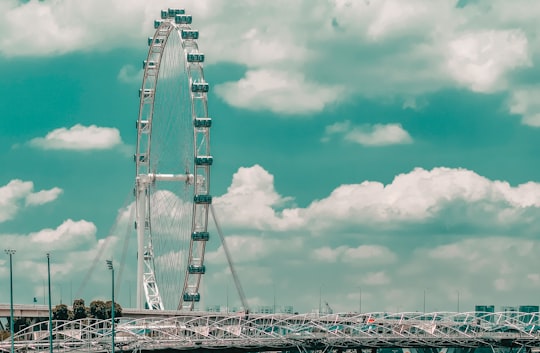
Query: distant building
[288,309]
[510,310]
[484,312]
[266,309]
[529,317]
[213,308]
[270,309]
[511,313]
[485,308]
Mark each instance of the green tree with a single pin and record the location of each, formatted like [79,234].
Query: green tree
[61,312]
[21,323]
[98,309]
[117,309]
[79,309]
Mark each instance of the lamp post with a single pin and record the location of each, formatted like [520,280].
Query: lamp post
[11,252]
[360,301]
[111,267]
[274,308]
[424,301]
[50,303]
[320,299]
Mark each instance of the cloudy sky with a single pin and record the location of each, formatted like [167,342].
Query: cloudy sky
[380,154]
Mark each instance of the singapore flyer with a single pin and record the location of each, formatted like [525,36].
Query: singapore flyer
[173,161]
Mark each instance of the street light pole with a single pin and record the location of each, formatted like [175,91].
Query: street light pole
[320,299]
[274,308]
[360,301]
[11,252]
[424,301]
[50,303]
[111,267]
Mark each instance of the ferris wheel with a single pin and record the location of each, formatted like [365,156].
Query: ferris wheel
[173,160]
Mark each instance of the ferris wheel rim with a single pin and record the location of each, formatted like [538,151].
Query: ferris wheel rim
[200,164]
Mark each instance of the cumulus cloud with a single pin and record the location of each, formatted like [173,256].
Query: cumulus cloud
[420,196]
[369,135]
[329,51]
[249,248]
[79,138]
[376,278]
[74,251]
[68,26]
[393,16]
[251,199]
[16,191]
[69,235]
[43,196]
[129,74]
[280,92]
[363,254]
[480,60]
[327,251]
[359,231]
[525,102]
[499,262]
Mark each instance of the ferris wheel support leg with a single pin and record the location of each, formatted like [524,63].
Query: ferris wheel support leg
[229,260]
[141,216]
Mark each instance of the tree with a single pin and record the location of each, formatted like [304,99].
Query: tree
[117,309]
[61,312]
[79,309]
[21,323]
[98,309]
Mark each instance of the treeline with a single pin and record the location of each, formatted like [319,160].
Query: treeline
[98,309]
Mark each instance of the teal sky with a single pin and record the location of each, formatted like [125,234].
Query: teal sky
[377,148]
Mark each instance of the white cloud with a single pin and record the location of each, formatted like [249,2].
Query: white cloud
[395,16]
[43,196]
[371,253]
[479,60]
[526,102]
[10,195]
[368,135]
[79,137]
[469,250]
[363,254]
[69,235]
[379,135]
[13,194]
[500,263]
[328,51]
[67,26]
[253,248]
[460,195]
[327,254]
[280,92]
[327,251]
[376,278]
[129,74]
[250,200]
[74,253]
[422,195]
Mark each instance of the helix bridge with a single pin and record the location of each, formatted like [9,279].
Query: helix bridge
[241,332]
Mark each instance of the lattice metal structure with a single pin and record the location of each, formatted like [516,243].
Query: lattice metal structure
[302,333]
[173,160]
